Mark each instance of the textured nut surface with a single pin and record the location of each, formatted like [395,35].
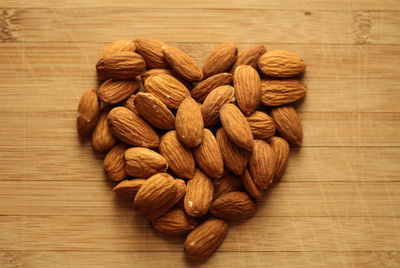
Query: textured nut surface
[249,56]
[128,188]
[281,64]
[247,88]
[252,189]
[117,46]
[281,149]
[121,65]
[226,184]
[150,50]
[220,59]
[174,222]
[213,103]
[102,138]
[281,91]
[262,164]
[88,113]
[114,163]
[143,162]
[202,89]
[288,124]
[233,206]
[262,126]
[114,91]
[199,194]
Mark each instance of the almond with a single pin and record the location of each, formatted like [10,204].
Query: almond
[88,113]
[202,89]
[281,63]
[220,59]
[129,103]
[233,206]
[281,149]
[102,138]
[247,88]
[252,189]
[128,188]
[114,91]
[236,126]
[189,123]
[281,92]
[120,65]
[154,111]
[180,159]
[118,46]
[226,184]
[208,156]
[174,222]
[151,72]
[288,124]
[150,50]
[262,164]
[213,103]
[167,89]
[201,243]
[249,56]
[262,126]
[143,162]
[114,163]
[182,63]
[235,158]
[199,194]
[131,129]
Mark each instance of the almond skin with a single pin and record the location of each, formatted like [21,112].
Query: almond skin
[233,206]
[174,222]
[182,63]
[150,50]
[213,103]
[115,91]
[236,126]
[201,243]
[226,184]
[154,111]
[129,103]
[262,126]
[249,56]
[220,59]
[235,158]
[199,194]
[189,123]
[252,189]
[114,163]
[288,124]
[180,159]
[117,46]
[121,65]
[102,138]
[143,162]
[151,72]
[128,188]
[202,89]
[167,89]
[208,156]
[88,113]
[131,129]
[247,88]
[281,64]
[262,164]
[281,149]
[281,92]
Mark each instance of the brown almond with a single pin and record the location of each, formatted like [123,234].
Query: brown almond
[114,91]
[154,111]
[180,159]
[226,184]
[102,138]
[199,194]
[236,126]
[220,59]
[131,129]
[174,222]
[280,92]
[247,88]
[189,123]
[249,56]
[233,206]
[252,189]
[128,188]
[281,149]
[150,50]
[208,156]
[235,158]
[262,164]
[281,64]
[262,126]
[143,162]
[288,124]
[118,46]
[213,103]
[88,113]
[182,63]
[129,103]
[202,89]
[167,89]
[151,72]
[121,65]
[201,243]
[114,163]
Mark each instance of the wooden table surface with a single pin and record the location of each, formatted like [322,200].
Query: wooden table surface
[339,202]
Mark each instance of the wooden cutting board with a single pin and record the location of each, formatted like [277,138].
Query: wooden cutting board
[338,204]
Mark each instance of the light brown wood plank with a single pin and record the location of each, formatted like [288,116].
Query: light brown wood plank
[74,198]
[200,25]
[256,234]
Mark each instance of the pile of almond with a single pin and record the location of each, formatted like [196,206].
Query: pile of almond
[193,147]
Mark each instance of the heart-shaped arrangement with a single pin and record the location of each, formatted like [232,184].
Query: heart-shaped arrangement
[190,149]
